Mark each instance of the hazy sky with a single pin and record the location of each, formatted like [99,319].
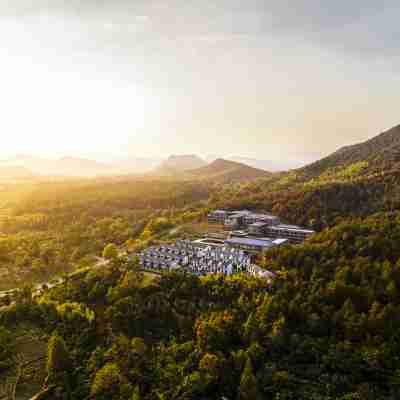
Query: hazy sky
[267,79]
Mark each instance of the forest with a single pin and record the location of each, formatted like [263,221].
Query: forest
[49,229]
[328,328]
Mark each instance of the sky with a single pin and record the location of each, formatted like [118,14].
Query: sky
[265,79]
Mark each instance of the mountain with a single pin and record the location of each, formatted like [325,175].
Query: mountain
[17,172]
[73,166]
[66,166]
[355,181]
[380,152]
[267,165]
[136,165]
[227,171]
[178,164]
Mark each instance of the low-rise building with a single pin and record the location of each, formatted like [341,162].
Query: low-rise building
[258,224]
[258,228]
[268,219]
[234,221]
[293,233]
[218,216]
[253,245]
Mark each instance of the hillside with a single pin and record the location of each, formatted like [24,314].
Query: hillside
[266,165]
[354,181]
[177,164]
[228,171]
[380,152]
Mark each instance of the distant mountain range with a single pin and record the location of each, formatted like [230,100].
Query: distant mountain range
[136,165]
[219,170]
[177,164]
[66,166]
[83,167]
[15,173]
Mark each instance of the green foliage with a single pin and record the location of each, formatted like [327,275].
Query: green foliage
[110,252]
[108,383]
[326,329]
[248,384]
[58,359]
[48,229]
[136,394]
[139,346]
[7,347]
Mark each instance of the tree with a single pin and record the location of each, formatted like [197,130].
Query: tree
[250,328]
[107,382]
[248,383]
[110,252]
[210,364]
[7,346]
[136,394]
[139,346]
[58,360]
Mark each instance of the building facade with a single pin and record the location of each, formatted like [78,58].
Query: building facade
[293,233]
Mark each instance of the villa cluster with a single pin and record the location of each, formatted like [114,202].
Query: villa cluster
[200,260]
[247,224]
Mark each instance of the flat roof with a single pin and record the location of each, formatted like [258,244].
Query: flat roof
[259,224]
[264,216]
[280,241]
[210,242]
[250,242]
[291,228]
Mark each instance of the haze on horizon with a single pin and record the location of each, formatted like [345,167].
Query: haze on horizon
[263,79]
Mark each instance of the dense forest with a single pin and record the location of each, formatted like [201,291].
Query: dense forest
[48,229]
[328,328]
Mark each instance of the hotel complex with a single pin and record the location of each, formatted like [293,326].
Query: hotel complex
[233,251]
[258,225]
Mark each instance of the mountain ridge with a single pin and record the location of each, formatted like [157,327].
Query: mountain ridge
[176,164]
[381,152]
[226,170]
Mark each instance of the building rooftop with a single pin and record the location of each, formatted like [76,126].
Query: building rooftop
[258,224]
[251,242]
[241,212]
[278,242]
[292,228]
[265,216]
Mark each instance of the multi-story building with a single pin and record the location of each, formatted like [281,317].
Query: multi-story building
[218,217]
[258,228]
[253,218]
[293,233]
[257,224]
[241,218]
